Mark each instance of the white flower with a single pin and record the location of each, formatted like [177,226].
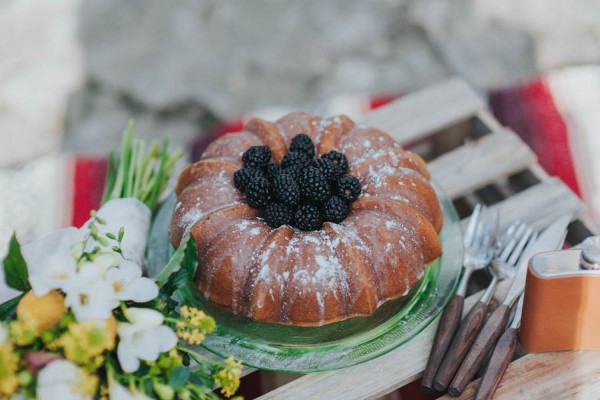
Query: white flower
[60,379]
[51,260]
[89,295]
[131,214]
[119,392]
[3,334]
[143,338]
[103,262]
[128,283]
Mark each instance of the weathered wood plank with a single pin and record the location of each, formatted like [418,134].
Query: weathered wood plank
[555,375]
[426,111]
[544,202]
[406,363]
[540,205]
[481,162]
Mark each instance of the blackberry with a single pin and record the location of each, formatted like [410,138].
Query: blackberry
[303,144]
[314,186]
[335,209]
[241,177]
[295,159]
[286,190]
[308,217]
[273,170]
[329,170]
[277,214]
[257,156]
[348,188]
[295,171]
[258,193]
[338,159]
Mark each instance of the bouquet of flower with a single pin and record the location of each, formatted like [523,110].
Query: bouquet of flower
[85,323]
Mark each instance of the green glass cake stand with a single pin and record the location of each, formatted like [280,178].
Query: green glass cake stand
[310,349]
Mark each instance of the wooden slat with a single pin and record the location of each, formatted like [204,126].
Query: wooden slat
[544,202]
[555,375]
[406,363]
[426,111]
[479,163]
[540,205]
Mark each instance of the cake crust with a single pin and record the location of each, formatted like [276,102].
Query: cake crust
[282,275]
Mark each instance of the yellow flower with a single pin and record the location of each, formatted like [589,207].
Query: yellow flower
[229,377]
[85,342]
[90,383]
[194,325]
[166,362]
[23,333]
[9,363]
[43,312]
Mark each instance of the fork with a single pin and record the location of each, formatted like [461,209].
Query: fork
[506,253]
[478,253]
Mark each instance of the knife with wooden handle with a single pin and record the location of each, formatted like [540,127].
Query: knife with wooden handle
[503,352]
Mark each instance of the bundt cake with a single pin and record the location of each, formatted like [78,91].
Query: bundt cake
[291,274]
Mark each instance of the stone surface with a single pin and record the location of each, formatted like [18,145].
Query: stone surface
[248,55]
[487,52]
[40,65]
[231,58]
[172,65]
[98,115]
[564,32]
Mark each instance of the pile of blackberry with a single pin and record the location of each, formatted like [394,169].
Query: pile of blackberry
[302,191]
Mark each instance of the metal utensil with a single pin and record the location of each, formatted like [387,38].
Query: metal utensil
[550,239]
[507,252]
[477,242]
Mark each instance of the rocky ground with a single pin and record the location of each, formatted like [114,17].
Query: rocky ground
[176,66]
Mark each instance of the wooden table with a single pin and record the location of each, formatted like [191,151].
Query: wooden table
[474,159]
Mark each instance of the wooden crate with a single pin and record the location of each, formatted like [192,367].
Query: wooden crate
[474,159]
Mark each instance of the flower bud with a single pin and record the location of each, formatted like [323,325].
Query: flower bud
[43,312]
[164,392]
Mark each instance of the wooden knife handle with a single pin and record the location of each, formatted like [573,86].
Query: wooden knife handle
[484,343]
[445,332]
[498,363]
[464,338]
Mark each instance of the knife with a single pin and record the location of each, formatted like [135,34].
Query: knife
[551,239]
[503,352]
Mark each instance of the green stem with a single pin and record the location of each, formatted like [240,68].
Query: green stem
[110,176]
[139,171]
[159,176]
[123,162]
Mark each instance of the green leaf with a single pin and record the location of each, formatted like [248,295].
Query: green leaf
[9,308]
[111,236]
[15,267]
[180,269]
[179,377]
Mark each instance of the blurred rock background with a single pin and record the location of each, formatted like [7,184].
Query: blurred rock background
[73,71]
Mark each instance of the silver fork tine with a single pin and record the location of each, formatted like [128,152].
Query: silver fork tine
[518,230]
[486,236]
[531,242]
[490,230]
[470,231]
[482,229]
[520,246]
